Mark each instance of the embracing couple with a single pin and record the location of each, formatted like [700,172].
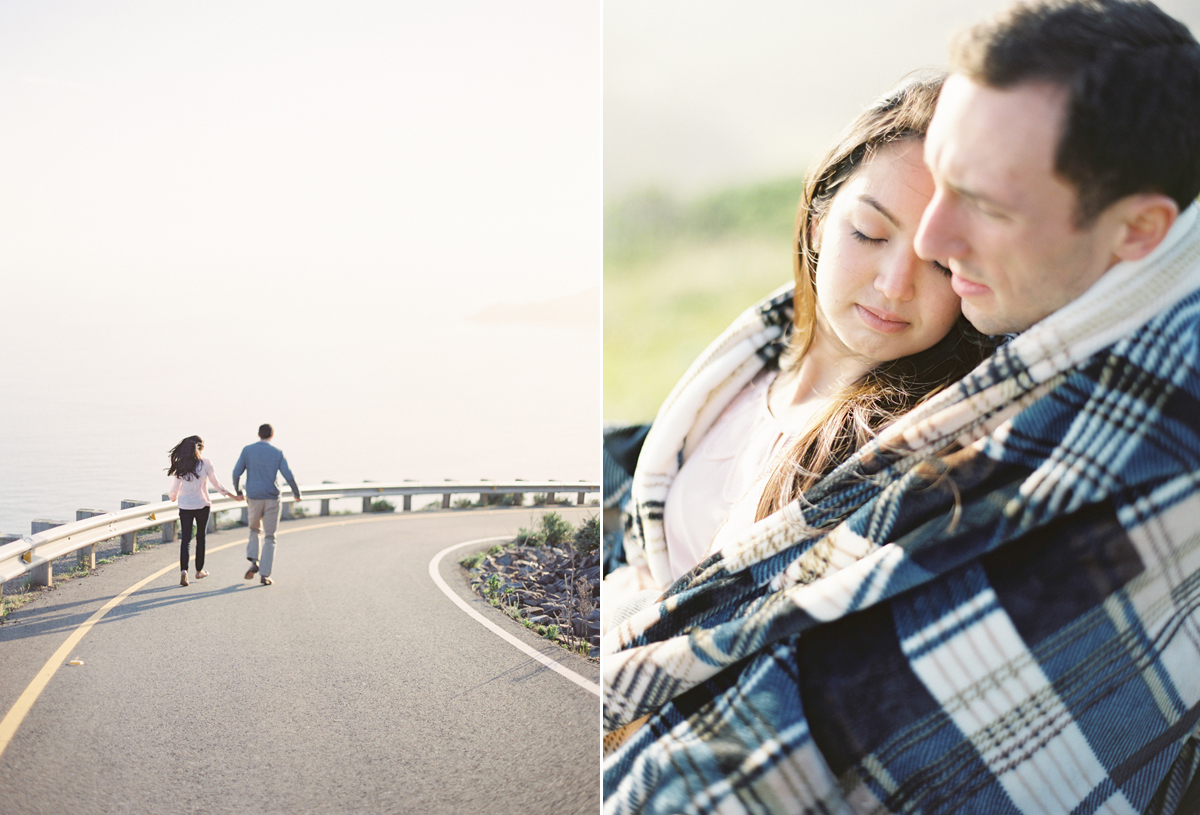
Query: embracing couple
[922,533]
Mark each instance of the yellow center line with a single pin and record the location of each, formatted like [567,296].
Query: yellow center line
[16,714]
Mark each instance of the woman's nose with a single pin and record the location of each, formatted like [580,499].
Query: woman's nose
[896,280]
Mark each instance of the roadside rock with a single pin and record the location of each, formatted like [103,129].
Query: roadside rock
[548,587]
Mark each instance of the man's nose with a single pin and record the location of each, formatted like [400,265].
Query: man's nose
[936,238]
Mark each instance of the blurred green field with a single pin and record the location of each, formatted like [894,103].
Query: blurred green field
[676,273]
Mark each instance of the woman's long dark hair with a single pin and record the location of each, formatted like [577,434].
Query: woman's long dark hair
[891,389]
[185,458]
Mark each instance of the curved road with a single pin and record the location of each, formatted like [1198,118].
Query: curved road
[352,685]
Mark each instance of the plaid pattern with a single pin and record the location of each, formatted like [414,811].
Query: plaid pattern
[622,444]
[1010,627]
[755,339]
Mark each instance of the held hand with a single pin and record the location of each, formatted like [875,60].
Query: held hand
[240,497]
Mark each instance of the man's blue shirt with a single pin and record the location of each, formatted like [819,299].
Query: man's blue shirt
[260,462]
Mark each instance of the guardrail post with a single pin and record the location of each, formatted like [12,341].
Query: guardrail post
[211,526]
[6,539]
[245,516]
[169,528]
[408,503]
[285,511]
[579,499]
[549,499]
[87,554]
[129,539]
[445,500]
[324,506]
[43,574]
[366,503]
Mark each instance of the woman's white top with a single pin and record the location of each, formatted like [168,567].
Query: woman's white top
[192,492]
[719,486]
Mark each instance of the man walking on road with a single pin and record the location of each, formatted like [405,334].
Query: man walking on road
[260,462]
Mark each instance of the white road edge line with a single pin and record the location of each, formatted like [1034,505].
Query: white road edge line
[582,682]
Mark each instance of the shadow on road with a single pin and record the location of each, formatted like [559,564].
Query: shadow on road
[162,596]
[528,670]
[59,617]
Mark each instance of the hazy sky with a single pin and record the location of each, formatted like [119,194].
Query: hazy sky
[422,149]
[701,93]
[216,213]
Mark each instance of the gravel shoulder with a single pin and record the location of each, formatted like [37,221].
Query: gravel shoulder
[553,590]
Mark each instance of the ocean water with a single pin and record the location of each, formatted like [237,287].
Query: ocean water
[378,231]
[478,400]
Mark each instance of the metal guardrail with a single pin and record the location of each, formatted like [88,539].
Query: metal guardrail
[33,554]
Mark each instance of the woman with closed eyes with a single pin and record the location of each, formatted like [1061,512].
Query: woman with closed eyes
[868,330]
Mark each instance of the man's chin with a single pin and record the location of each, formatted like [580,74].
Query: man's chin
[985,321]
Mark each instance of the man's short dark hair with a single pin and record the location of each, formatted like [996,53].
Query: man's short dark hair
[1133,77]
[265,431]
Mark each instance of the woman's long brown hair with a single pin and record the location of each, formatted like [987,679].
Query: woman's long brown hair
[853,417]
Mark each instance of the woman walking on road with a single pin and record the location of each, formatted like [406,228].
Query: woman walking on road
[192,475]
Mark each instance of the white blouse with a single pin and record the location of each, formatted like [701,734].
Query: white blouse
[720,484]
[191,491]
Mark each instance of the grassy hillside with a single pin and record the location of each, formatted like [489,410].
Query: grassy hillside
[676,273]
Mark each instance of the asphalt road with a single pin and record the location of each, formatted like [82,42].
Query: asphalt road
[352,685]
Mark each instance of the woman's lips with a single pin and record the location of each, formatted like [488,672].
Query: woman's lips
[967,288]
[883,321]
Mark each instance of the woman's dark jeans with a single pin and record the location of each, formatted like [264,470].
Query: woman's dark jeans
[186,516]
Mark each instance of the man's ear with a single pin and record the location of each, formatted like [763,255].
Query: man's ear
[1145,220]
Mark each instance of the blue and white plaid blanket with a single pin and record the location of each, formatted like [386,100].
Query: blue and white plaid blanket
[1011,627]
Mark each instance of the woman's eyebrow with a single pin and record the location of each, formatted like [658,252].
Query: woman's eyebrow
[874,204]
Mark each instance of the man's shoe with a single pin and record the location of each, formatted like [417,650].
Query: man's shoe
[266,581]
[183,578]
[253,570]
[201,574]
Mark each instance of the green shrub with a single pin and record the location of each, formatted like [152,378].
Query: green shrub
[463,503]
[527,537]
[382,505]
[471,561]
[587,536]
[500,499]
[556,529]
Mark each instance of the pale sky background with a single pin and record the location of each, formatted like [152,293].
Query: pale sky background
[424,149]
[704,93]
[316,214]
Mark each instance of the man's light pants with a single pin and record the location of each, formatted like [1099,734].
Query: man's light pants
[264,517]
